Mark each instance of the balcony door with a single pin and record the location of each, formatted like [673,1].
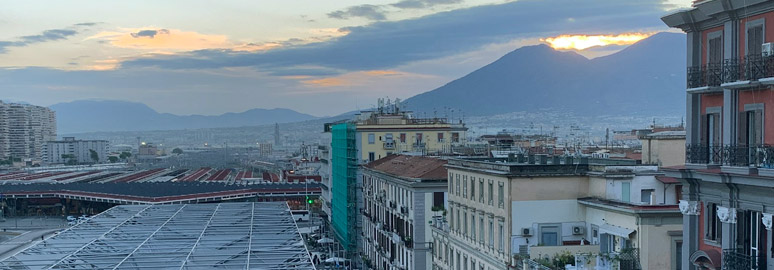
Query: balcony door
[752,238]
[751,132]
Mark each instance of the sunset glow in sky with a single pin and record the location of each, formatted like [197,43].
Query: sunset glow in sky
[317,57]
[582,42]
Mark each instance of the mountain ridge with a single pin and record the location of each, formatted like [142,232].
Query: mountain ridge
[113,115]
[648,76]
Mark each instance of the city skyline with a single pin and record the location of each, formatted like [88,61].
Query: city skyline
[321,59]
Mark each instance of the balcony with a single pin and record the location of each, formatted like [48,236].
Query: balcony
[761,156]
[705,75]
[750,68]
[734,259]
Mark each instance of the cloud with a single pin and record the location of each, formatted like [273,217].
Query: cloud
[45,36]
[371,12]
[86,24]
[149,33]
[414,4]
[385,45]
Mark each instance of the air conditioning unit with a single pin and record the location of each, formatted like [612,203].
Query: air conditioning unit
[526,231]
[578,230]
[767,49]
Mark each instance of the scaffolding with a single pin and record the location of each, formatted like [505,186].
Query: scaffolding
[344,187]
[188,236]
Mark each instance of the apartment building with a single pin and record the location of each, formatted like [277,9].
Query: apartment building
[727,176]
[401,195]
[504,210]
[664,148]
[373,135]
[24,129]
[78,151]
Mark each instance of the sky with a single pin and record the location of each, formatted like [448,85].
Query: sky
[317,57]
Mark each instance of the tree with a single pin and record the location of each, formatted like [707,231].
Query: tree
[69,159]
[125,155]
[94,155]
[177,151]
[113,159]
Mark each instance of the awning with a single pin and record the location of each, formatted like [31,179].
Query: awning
[615,230]
[325,241]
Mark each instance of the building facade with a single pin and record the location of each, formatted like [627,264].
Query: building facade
[727,176]
[373,135]
[599,208]
[665,148]
[24,129]
[401,196]
[79,151]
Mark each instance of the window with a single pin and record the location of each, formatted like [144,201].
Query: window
[464,186]
[419,138]
[715,50]
[712,228]
[473,226]
[371,156]
[491,233]
[465,223]
[472,188]
[388,137]
[440,137]
[751,125]
[481,190]
[711,133]
[455,137]
[481,229]
[500,195]
[403,137]
[549,235]
[451,183]
[457,183]
[491,192]
[626,191]
[646,196]
[458,220]
[371,138]
[754,39]
[500,245]
[451,218]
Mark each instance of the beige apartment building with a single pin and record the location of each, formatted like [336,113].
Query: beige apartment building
[401,196]
[665,148]
[505,210]
[24,129]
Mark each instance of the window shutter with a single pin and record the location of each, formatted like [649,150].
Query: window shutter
[604,243]
[704,125]
[742,134]
[758,127]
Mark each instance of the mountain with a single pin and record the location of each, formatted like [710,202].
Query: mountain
[647,77]
[89,116]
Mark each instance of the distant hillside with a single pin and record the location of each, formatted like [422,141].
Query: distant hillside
[645,78]
[90,116]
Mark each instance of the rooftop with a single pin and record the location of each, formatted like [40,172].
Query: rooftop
[541,165]
[405,166]
[188,236]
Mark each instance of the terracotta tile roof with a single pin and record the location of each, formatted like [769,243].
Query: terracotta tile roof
[667,179]
[418,167]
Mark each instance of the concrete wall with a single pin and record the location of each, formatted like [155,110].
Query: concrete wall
[665,153]
[530,214]
[614,189]
[656,246]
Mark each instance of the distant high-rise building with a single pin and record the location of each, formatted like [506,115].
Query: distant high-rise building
[60,152]
[276,134]
[24,129]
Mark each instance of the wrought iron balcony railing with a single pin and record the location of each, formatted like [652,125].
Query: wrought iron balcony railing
[761,156]
[734,259]
[752,67]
